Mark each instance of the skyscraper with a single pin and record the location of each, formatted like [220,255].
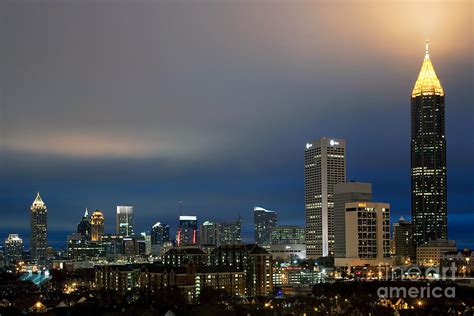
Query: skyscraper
[125,222]
[160,233]
[208,233]
[84,226]
[264,221]
[97,226]
[346,192]
[13,248]
[186,234]
[324,167]
[229,233]
[39,225]
[428,157]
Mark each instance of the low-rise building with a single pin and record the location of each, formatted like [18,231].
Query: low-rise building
[288,252]
[431,253]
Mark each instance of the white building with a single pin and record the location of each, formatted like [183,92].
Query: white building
[125,221]
[324,167]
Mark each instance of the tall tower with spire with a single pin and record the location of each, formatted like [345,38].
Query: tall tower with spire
[428,156]
[84,226]
[39,225]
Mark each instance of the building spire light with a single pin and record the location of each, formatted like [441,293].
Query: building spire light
[427,82]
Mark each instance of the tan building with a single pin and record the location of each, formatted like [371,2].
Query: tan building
[432,252]
[367,234]
[97,226]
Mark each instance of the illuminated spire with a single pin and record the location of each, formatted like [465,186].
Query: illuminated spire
[86,214]
[38,200]
[427,82]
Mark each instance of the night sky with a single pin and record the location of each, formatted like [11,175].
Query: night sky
[149,103]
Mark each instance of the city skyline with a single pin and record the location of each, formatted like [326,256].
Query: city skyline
[73,155]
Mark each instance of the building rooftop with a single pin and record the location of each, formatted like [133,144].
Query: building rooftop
[427,82]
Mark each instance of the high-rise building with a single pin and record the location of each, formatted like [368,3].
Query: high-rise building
[160,233]
[186,233]
[84,226]
[223,233]
[125,222]
[264,221]
[39,226]
[208,233]
[428,157]
[288,234]
[13,249]
[346,192]
[97,226]
[367,234]
[229,233]
[403,239]
[324,167]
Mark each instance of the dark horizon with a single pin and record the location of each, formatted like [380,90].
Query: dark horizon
[157,103]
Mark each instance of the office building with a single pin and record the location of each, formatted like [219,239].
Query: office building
[432,253]
[346,192]
[288,252]
[125,221]
[324,167]
[186,233]
[39,227]
[288,234]
[264,221]
[208,233]
[13,249]
[403,240]
[97,226]
[367,235]
[428,157]
[84,226]
[160,233]
[80,249]
[229,233]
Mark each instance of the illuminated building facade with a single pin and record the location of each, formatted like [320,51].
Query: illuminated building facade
[39,226]
[97,226]
[186,233]
[208,233]
[367,234]
[160,233]
[264,221]
[13,249]
[346,192]
[229,233]
[125,221]
[324,167]
[428,157]
[288,234]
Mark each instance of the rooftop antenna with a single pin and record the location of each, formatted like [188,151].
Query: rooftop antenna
[180,204]
[427,53]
